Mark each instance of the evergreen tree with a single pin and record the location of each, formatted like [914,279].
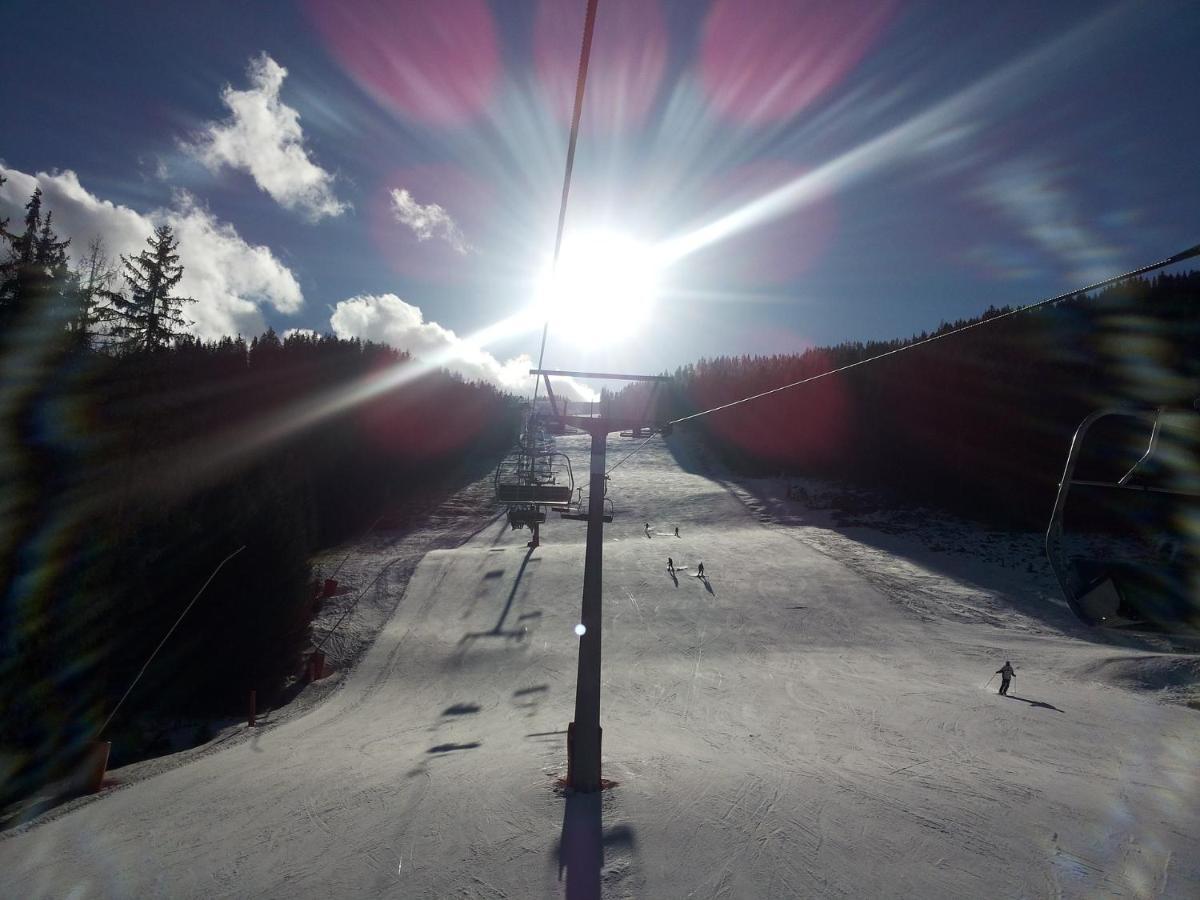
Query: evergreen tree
[150,318]
[35,274]
[25,244]
[91,285]
[3,222]
[50,252]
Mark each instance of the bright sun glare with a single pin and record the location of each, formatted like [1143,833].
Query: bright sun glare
[604,289]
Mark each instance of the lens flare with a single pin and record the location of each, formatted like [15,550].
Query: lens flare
[629,57]
[765,61]
[777,251]
[911,139]
[437,63]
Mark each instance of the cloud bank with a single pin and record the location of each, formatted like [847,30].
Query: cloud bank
[263,137]
[428,221]
[387,319]
[230,279]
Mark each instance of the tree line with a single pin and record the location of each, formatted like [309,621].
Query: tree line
[135,457]
[979,423]
[37,283]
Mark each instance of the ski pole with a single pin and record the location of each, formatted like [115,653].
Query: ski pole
[989,681]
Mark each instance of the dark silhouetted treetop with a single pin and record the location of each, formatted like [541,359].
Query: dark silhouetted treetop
[3,222]
[92,282]
[24,245]
[34,276]
[49,250]
[150,317]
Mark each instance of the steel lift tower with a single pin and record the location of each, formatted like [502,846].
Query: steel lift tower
[584,734]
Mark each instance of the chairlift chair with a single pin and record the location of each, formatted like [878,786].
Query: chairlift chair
[525,515]
[579,511]
[537,477]
[531,479]
[1154,593]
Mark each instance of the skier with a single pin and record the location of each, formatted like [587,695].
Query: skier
[647,529]
[676,531]
[700,571]
[670,565]
[1006,674]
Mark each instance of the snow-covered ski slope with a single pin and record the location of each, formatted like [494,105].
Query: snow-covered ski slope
[786,729]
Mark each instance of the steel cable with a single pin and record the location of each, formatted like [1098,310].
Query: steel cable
[1163,263]
[585,52]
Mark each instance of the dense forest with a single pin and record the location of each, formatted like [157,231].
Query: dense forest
[135,459]
[979,423]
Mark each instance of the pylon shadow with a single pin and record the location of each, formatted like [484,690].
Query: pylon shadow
[581,847]
[498,629]
[513,593]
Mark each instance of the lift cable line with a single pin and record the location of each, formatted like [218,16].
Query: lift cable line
[631,452]
[653,434]
[585,52]
[171,631]
[666,426]
[1178,257]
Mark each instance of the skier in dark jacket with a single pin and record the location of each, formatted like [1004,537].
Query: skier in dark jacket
[1006,674]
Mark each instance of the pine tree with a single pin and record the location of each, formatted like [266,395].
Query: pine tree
[25,245]
[49,251]
[150,318]
[35,274]
[3,222]
[91,284]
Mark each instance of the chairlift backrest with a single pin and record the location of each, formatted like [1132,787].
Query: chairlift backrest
[1163,593]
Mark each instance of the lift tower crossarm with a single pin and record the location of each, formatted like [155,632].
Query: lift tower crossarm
[601,375]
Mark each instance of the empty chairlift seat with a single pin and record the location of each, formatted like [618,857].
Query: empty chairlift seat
[1152,510]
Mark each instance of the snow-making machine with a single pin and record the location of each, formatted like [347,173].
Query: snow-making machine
[1147,574]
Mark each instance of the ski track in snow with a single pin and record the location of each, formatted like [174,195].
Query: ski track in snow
[810,721]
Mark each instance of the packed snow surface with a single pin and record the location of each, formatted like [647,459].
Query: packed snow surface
[811,720]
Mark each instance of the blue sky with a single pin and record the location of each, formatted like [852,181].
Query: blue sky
[820,171]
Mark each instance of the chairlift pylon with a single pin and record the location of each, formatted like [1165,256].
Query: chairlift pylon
[1159,591]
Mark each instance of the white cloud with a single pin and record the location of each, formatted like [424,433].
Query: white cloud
[428,221]
[387,319]
[263,137]
[230,279]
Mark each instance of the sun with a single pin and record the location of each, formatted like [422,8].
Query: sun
[604,289]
